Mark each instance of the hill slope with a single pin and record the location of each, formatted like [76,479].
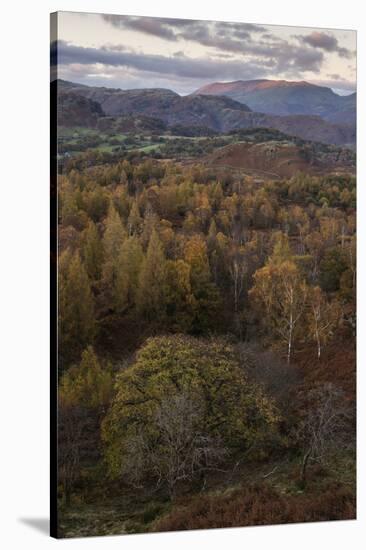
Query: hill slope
[278,159]
[280,97]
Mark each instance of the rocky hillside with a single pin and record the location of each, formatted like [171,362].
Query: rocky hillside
[76,110]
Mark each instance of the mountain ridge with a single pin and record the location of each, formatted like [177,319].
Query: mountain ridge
[218,112]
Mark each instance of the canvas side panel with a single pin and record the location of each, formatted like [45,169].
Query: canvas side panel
[53,276]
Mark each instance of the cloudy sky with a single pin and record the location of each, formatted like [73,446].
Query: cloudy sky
[180,54]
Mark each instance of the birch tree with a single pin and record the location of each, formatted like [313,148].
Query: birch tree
[323,317]
[279,296]
[238,271]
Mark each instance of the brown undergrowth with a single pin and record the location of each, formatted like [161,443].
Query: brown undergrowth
[260,505]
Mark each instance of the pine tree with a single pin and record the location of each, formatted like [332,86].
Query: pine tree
[93,251]
[87,384]
[76,308]
[70,211]
[212,232]
[127,273]
[134,222]
[190,223]
[113,238]
[151,292]
[151,221]
[97,204]
[205,292]
[114,234]
[180,302]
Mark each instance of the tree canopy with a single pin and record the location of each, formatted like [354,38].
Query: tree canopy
[227,407]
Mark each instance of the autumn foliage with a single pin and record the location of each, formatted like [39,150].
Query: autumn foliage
[205,321]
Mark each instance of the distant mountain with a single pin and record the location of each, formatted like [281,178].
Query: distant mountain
[280,97]
[161,103]
[219,113]
[346,114]
[116,102]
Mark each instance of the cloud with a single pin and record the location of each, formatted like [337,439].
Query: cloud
[239,30]
[129,78]
[255,43]
[200,52]
[245,39]
[203,32]
[176,65]
[147,25]
[219,38]
[260,61]
[334,76]
[326,42]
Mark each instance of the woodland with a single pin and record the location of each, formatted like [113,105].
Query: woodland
[206,339]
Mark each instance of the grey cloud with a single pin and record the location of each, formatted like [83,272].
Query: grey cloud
[237,29]
[250,27]
[235,38]
[298,59]
[186,67]
[147,25]
[181,65]
[321,40]
[280,53]
[124,69]
[220,39]
[189,29]
[121,77]
[272,37]
[169,29]
[326,42]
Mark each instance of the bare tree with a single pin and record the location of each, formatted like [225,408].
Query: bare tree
[72,421]
[323,426]
[178,449]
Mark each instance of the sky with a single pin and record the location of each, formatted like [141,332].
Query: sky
[180,54]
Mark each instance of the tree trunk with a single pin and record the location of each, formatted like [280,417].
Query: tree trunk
[238,327]
[291,326]
[319,348]
[289,346]
[303,469]
[172,491]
